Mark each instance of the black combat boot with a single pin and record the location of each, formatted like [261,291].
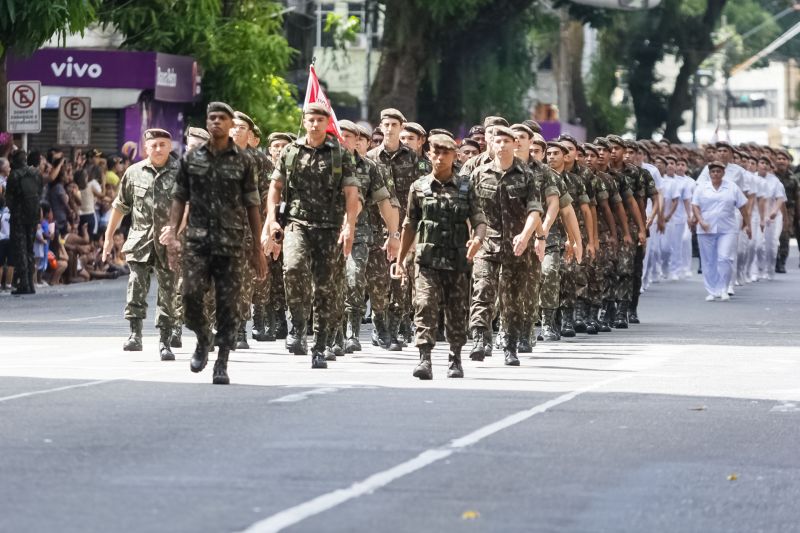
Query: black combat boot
[548,333]
[134,342]
[440,329]
[241,338]
[395,344]
[199,357]
[424,370]
[177,337]
[353,344]
[221,368]
[633,309]
[478,351]
[269,324]
[606,317]
[567,322]
[621,317]
[580,317]
[407,331]
[318,359]
[330,347]
[338,341]
[591,320]
[281,328]
[524,344]
[780,265]
[296,343]
[259,331]
[380,330]
[163,345]
[510,351]
[455,370]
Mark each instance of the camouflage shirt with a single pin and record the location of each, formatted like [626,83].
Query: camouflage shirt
[792,187]
[314,180]
[606,190]
[400,169]
[145,192]
[264,168]
[475,161]
[374,191]
[506,198]
[220,187]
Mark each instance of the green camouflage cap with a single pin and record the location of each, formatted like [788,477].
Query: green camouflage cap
[414,127]
[219,107]
[442,141]
[156,133]
[523,128]
[616,139]
[494,121]
[560,146]
[244,118]
[279,136]
[349,125]
[315,108]
[391,112]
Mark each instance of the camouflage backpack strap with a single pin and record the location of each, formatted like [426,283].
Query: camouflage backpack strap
[425,183]
[292,151]
[336,163]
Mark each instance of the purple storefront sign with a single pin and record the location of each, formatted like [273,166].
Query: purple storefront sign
[172,78]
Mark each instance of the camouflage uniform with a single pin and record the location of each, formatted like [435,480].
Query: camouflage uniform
[573,276]
[258,290]
[626,185]
[647,190]
[374,190]
[439,212]
[219,187]
[792,187]
[313,180]
[400,169]
[145,193]
[601,276]
[506,198]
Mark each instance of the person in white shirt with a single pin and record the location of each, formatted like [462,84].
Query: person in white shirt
[675,202]
[685,215]
[750,270]
[715,205]
[771,208]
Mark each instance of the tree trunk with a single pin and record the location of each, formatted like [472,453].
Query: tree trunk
[580,108]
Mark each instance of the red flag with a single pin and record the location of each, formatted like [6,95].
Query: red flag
[314,93]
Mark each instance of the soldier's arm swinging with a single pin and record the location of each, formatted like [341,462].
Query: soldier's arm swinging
[259,259]
[391,216]
[622,217]
[609,216]
[113,224]
[633,205]
[273,201]
[550,215]
[573,230]
[478,236]
[587,217]
[352,204]
[532,221]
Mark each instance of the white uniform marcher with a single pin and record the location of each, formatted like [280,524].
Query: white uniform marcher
[757,242]
[686,242]
[678,233]
[672,192]
[650,269]
[775,197]
[717,240]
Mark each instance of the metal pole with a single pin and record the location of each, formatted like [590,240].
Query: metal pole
[25,141]
[694,109]
[365,95]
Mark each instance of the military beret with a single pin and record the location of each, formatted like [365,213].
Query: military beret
[539,141]
[257,132]
[768,149]
[644,148]
[244,118]
[198,133]
[503,130]
[766,160]
[724,144]
[494,121]
[279,136]
[364,132]
[670,157]
[569,138]
[533,125]
[477,130]
[442,141]
[413,127]
[587,147]
[716,164]
[437,131]
[665,141]
[615,139]
[581,149]
[349,125]
[660,158]
[560,146]
[522,128]
[784,152]
[219,107]
[315,108]
[602,142]
[156,133]
[392,113]
[631,144]
[472,143]
[682,160]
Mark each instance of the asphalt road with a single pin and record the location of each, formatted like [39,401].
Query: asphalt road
[687,422]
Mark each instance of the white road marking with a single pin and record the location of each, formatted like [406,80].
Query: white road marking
[59,321]
[300,396]
[57,389]
[325,502]
[786,407]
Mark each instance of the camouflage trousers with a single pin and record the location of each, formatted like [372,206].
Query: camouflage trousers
[551,279]
[179,300]
[312,259]
[139,287]
[531,281]
[401,292]
[493,281]
[248,283]
[378,280]
[431,286]
[356,277]
[260,299]
[277,294]
[204,271]
[598,274]
[783,242]
[625,267]
[568,289]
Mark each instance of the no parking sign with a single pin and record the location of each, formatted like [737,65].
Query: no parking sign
[74,120]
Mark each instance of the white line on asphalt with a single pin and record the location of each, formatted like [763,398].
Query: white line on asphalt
[39,321]
[57,389]
[325,502]
[300,396]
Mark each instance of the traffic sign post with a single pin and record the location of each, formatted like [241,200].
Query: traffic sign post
[23,107]
[74,120]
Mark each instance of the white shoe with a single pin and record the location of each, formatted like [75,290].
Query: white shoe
[725,297]
[710,298]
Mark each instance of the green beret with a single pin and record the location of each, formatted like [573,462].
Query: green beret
[198,133]
[670,157]
[503,130]
[716,164]
[784,152]
[442,141]
[156,133]
[560,146]
[522,128]
[615,139]
[349,125]
[364,132]
[219,107]
[413,127]
[472,143]
[494,121]
[533,125]
[392,113]
[244,118]
[724,144]
[569,138]
[601,142]
[590,147]
[437,131]
[257,132]
[315,108]
[540,142]
[279,136]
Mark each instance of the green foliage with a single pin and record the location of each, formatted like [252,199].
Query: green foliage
[25,25]
[242,55]
[342,30]
[606,115]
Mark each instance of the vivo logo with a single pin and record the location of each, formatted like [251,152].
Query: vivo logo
[79,70]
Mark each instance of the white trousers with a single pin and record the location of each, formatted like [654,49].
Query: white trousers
[772,235]
[718,253]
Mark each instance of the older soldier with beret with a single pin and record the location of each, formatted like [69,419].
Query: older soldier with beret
[145,193]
